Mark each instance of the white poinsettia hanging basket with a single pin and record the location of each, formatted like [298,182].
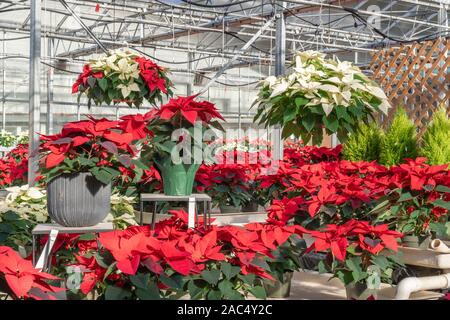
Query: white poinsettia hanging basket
[319,94]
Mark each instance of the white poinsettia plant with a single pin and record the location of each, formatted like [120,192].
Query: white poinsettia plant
[123,75]
[319,94]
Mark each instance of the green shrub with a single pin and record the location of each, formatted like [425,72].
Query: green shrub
[436,139]
[400,140]
[364,143]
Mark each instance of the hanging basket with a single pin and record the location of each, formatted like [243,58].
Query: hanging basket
[178,179]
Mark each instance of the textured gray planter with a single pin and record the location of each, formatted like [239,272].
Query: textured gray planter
[78,200]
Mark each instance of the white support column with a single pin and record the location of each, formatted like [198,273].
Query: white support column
[191,213]
[280,57]
[50,89]
[34,89]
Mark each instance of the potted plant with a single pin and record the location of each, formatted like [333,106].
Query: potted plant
[319,94]
[359,254]
[173,262]
[79,164]
[286,260]
[177,146]
[419,204]
[227,184]
[122,75]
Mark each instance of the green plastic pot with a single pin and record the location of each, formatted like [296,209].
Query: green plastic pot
[279,289]
[178,179]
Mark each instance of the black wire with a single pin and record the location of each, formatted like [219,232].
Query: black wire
[60,69]
[381,33]
[216,5]
[196,72]
[204,6]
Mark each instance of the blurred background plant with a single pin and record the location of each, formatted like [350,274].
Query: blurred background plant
[8,139]
[436,139]
[122,211]
[20,211]
[364,143]
[400,140]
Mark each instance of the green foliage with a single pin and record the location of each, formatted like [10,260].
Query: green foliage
[122,211]
[23,208]
[224,282]
[400,141]
[364,144]
[436,139]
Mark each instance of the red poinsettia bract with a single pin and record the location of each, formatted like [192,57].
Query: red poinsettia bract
[23,279]
[189,109]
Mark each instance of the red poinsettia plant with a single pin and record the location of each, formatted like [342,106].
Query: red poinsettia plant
[20,280]
[98,146]
[14,166]
[123,76]
[176,123]
[227,184]
[172,260]
[418,201]
[359,252]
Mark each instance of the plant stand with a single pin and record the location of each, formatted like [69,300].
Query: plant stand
[52,230]
[192,200]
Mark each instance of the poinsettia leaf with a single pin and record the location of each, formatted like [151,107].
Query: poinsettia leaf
[441,188]
[308,121]
[171,282]
[330,122]
[300,101]
[195,289]
[229,270]
[258,292]
[111,147]
[150,293]
[442,203]
[214,295]
[211,276]
[103,83]
[289,114]
[140,280]
[87,237]
[405,197]
[116,293]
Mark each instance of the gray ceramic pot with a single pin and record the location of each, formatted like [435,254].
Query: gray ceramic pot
[359,291]
[78,200]
[422,242]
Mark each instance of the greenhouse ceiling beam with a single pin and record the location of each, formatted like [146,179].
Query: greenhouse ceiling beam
[210,27]
[365,12]
[234,58]
[82,24]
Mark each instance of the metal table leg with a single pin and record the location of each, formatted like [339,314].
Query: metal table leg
[141,217]
[154,216]
[34,249]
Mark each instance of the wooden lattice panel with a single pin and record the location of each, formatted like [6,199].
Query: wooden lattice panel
[415,76]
